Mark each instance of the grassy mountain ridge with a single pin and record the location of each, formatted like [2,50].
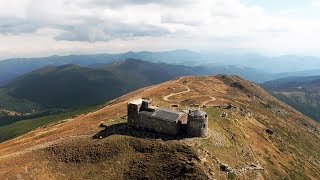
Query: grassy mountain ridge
[13,68]
[258,68]
[239,143]
[72,85]
[63,86]
[302,93]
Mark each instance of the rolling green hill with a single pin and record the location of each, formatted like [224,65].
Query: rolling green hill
[66,86]
[13,68]
[73,86]
[302,93]
[13,128]
[70,86]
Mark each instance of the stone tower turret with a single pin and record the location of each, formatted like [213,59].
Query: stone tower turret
[197,123]
[134,107]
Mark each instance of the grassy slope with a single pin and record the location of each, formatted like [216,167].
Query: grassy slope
[14,104]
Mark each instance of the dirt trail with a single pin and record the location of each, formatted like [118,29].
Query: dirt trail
[166,98]
[206,102]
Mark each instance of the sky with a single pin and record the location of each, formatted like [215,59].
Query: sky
[32,28]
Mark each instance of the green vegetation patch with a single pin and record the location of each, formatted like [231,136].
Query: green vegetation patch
[22,127]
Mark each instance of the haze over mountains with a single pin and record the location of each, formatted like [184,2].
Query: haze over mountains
[245,65]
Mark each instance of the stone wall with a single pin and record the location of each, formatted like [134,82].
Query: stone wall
[133,111]
[195,124]
[197,127]
[149,123]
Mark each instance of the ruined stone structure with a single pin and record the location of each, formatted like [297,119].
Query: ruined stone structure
[144,116]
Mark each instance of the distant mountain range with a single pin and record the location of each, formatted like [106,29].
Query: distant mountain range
[254,67]
[302,93]
[271,65]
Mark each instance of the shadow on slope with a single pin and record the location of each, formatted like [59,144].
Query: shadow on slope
[125,129]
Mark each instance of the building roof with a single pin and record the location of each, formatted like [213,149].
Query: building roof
[139,101]
[198,113]
[163,114]
[136,102]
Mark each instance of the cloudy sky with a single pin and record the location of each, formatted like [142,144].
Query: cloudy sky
[30,28]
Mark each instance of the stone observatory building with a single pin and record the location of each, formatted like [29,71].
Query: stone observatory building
[144,116]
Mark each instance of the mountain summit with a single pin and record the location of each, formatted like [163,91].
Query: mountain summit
[252,135]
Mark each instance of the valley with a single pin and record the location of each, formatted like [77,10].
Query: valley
[302,93]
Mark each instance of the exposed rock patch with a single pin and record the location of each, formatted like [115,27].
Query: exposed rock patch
[269,131]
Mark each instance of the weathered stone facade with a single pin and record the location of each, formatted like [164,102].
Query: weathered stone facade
[142,115]
[197,123]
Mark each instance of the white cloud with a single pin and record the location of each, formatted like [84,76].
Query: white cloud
[316,3]
[61,26]
[13,8]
